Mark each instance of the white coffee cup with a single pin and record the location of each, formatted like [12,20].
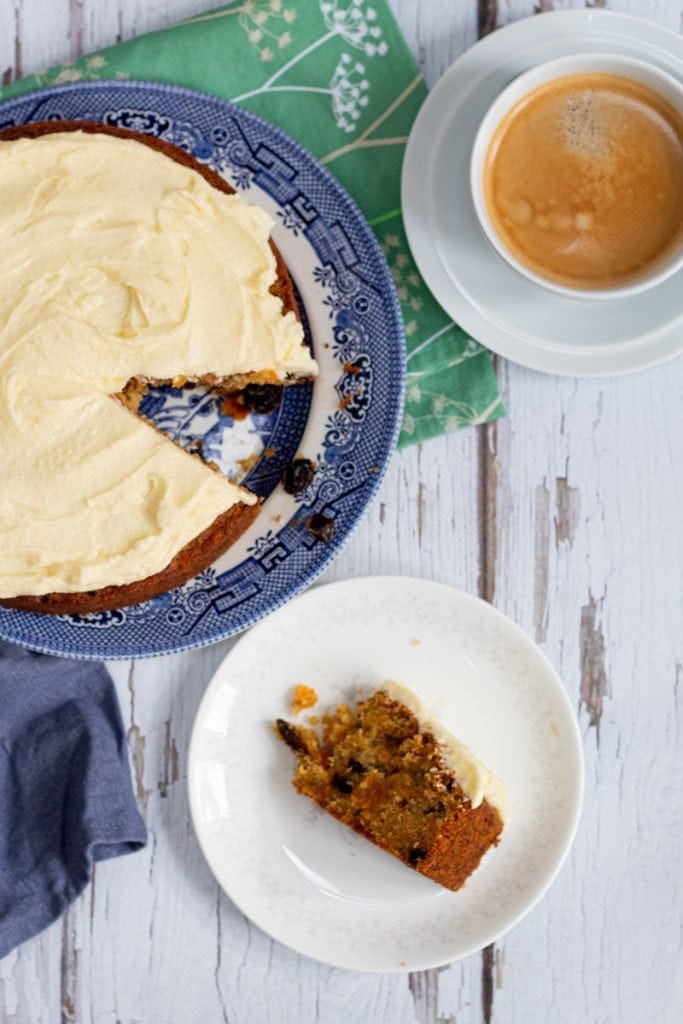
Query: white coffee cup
[581,63]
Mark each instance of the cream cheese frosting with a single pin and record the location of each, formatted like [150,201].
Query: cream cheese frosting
[118,263]
[478,782]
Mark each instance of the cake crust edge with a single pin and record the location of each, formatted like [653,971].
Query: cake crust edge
[202,550]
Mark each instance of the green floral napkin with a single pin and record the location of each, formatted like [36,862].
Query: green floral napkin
[338,76]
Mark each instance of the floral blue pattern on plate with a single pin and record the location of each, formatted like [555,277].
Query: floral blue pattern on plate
[346,422]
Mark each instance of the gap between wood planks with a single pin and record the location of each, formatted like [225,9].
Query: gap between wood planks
[487,21]
[487,507]
[12,73]
[76,27]
[424,985]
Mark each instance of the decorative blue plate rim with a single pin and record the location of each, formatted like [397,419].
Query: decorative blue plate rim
[356,405]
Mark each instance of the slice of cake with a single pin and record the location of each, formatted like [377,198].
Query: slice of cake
[403,782]
[125,263]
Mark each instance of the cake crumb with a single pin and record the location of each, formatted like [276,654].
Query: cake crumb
[249,462]
[415,642]
[230,406]
[269,452]
[303,697]
[554,730]
[314,719]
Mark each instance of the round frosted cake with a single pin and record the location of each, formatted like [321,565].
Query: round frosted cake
[126,263]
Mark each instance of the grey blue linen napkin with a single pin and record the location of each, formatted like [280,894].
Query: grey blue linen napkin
[66,798]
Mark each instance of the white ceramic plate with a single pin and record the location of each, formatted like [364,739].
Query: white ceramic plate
[309,881]
[498,306]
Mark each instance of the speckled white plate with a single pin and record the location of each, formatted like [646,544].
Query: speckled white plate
[309,881]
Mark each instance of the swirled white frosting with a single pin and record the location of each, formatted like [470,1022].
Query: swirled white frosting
[118,263]
[477,781]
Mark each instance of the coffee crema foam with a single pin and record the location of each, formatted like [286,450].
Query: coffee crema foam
[583,180]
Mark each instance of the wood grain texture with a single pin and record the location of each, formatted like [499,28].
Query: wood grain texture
[567,516]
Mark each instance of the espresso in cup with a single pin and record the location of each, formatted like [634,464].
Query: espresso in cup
[583,180]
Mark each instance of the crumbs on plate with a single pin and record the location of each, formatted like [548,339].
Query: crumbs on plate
[303,697]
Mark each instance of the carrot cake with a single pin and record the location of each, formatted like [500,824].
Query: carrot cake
[402,781]
[125,263]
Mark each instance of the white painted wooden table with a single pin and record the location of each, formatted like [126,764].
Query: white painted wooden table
[566,515]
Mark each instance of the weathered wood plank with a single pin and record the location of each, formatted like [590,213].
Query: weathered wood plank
[10,32]
[107,23]
[613,629]
[525,520]
[33,35]
[566,516]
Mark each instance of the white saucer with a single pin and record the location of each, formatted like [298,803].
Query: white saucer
[488,298]
[309,881]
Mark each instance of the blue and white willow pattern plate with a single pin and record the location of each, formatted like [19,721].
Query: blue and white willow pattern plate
[347,422]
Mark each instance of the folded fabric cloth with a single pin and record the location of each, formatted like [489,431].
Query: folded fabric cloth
[66,798]
[339,77]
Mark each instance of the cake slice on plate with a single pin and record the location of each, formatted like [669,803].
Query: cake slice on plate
[395,776]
